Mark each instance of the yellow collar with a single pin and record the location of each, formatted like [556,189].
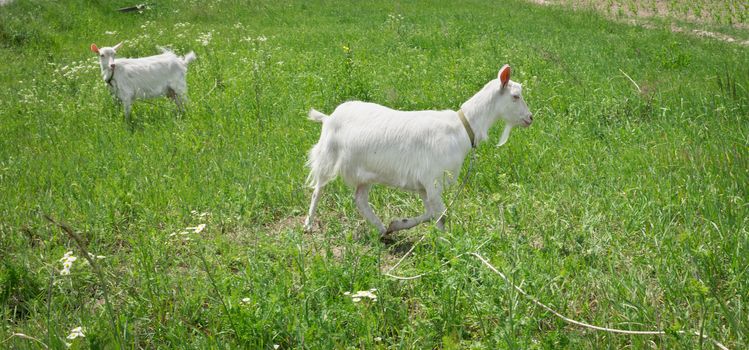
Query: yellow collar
[468,128]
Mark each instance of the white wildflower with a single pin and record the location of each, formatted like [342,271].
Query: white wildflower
[196,229]
[75,333]
[199,215]
[205,38]
[276,346]
[110,33]
[378,339]
[67,263]
[262,38]
[94,256]
[358,296]
[246,300]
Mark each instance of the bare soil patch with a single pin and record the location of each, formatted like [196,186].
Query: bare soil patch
[734,14]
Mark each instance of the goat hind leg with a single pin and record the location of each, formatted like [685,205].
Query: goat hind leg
[177,98]
[361,198]
[312,208]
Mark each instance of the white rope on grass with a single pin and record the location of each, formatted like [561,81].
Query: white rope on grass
[583,324]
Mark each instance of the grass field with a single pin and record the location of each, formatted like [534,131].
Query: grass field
[624,205]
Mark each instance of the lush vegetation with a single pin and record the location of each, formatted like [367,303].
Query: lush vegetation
[624,205]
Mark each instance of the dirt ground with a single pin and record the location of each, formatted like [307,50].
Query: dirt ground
[691,17]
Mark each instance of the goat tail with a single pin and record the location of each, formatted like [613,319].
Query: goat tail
[189,57]
[323,164]
[314,165]
[316,116]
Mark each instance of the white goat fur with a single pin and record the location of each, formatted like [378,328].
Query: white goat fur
[131,79]
[419,151]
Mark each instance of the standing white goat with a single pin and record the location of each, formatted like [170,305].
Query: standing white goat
[132,79]
[418,151]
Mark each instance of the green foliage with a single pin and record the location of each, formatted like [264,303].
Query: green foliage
[624,205]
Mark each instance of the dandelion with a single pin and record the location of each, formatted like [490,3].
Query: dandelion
[346,49]
[75,333]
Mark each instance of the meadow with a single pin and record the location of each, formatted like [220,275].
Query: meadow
[624,204]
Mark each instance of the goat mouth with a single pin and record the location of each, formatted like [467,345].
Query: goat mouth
[526,123]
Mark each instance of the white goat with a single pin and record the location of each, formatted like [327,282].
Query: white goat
[131,79]
[419,151]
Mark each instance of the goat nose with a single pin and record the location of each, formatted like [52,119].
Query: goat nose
[112,65]
[530,117]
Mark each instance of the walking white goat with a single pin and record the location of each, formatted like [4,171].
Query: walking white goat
[419,151]
[132,79]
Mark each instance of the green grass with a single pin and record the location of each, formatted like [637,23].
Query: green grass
[618,207]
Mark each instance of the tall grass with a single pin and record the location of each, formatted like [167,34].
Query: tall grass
[622,205]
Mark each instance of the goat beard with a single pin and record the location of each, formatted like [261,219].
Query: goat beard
[505,135]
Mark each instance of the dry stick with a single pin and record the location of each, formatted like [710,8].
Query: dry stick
[632,80]
[24,336]
[82,246]
[582,324]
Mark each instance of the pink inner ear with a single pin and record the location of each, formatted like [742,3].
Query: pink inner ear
[94,48]
[504,74]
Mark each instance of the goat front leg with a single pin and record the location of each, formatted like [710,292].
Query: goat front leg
[402,224]
[128,108]
[437,206]
[361,197]
[439,212]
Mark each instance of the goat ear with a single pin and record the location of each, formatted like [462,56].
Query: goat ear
[504,75]
[117,47]
[94,48]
